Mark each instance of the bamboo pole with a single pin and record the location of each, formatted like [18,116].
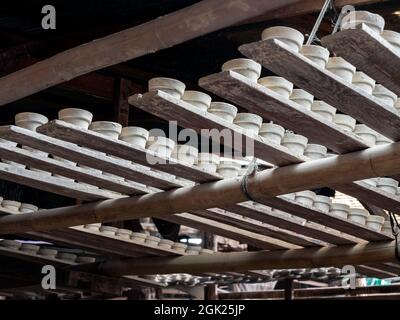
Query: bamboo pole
[373,162]
[186,24]
[260,260]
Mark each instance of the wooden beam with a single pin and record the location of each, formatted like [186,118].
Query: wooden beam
[260,260]
[377,161]
[188,23]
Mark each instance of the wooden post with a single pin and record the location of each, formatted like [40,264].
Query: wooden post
[122,92]
[258,260]
[210,292]
[377,161]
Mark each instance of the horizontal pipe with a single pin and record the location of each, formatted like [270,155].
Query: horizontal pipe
[164,32]
[260,260]
[373,162]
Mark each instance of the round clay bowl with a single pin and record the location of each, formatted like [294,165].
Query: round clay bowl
[136,136]
[375,222]
[315,151]
[388,185]
[77,117]
[165,244]
[208,161]
[51,253]
[381,139]
[10,244]
[340,209]
[305,197]
[206,251]
[124,234]
[198,99]
[107,128]
[295,143]
[173,87]
[323,109]
[277,84]
[341,68]
[246,67]
[248,121]
[223,110]
[317,54]
[374,21]
[228,168]
[186,153]
[160,145]
[345,122]
[180,247]
[322,203]
[302,98]
[364,82]
[27,208]
[393,38]
[11,205]
[384,95]
[151,240]
[29,248]
[108,230]
[30,120]
[138,236]
[289,36]
[358,215]
[272,132]
[366,133]
[83,259]
[70,257]
[93,226]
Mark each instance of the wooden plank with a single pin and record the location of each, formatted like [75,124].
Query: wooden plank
[369,52]
[90,158]
[326,219]
[28,158]
[118,148]
[235,220]
[286,221]
[325,85]
[262,101]
[52,184]
[254,239]
[169,108]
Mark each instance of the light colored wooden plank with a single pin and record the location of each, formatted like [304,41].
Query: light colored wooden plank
[262,101]
[369,52]
[118,148]
[90,158]
[325,85]
[171,109]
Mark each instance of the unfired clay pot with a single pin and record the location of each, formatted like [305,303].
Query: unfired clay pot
[393,38]
[387,228]
[29,248]
[316,54]
[198,99]
[46,252]
[223,110]
[186,153]
[11,205]
[345,122]
[124,234]
[138,236]
[388,185]
[107,128]
[375,222]
[30,120]
[84,259]
[246,67]
[364,82]
[165,244]
[108,230]
[77,117]
[315,151]
[305,197]
[208,161]
[294,142]
[289,36]
[322,203]
[366,133]
[358,215]
[10,244]
[193,250]
[162,146]
[134,135]
[323,109]
[341,68]
[93,226]
[385,95]
[374,21]
[381,139]
[272,132]
[340,209]
[27,208]
[302,98]
[70,257]
[173,87]
[206,251]
[277,84]
[229,168]
[151,240]
[248,121]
